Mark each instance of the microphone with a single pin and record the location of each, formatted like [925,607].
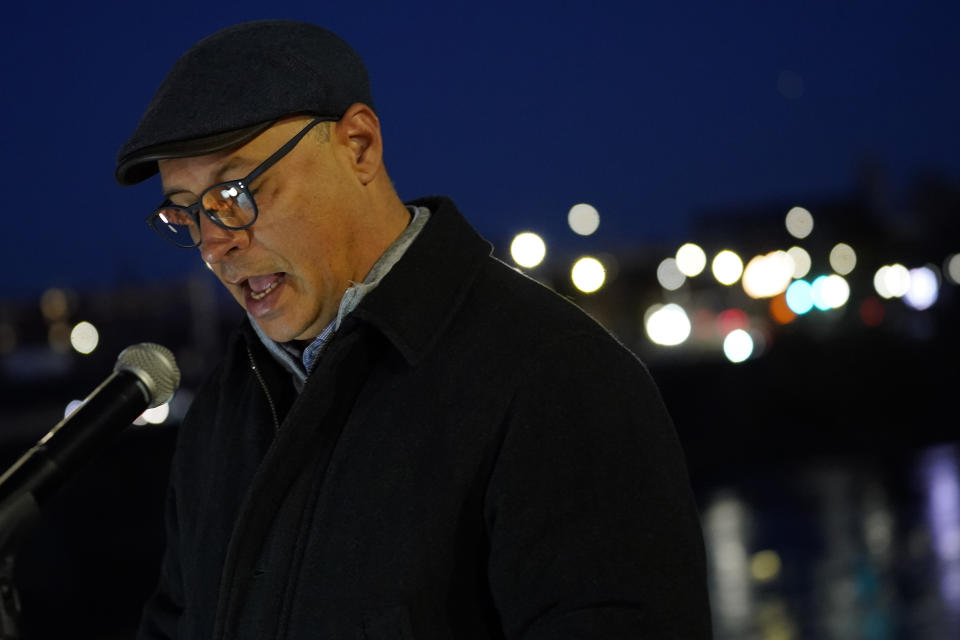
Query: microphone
[145,376]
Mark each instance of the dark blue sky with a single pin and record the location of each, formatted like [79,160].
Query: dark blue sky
[516,110]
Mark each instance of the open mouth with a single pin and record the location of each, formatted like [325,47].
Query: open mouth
[257,290]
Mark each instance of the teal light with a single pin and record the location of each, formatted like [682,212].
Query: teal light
[800,297]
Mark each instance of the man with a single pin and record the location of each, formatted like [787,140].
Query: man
[406,439]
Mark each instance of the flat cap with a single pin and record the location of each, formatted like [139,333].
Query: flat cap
[234,84]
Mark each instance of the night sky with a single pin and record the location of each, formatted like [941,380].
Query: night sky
[517,111]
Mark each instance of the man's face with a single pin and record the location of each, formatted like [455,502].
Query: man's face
[290,269]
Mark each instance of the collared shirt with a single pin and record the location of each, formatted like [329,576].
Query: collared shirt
[300,362]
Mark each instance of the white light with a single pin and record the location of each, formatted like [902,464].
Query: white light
[157,415]
[738,345]
[892,281]
[835,291]
[528,249]
[72,406]
[588,274]
[817,289]
[923,289]
[164,218]
[769,275]
[667,325]
[84,337]
[669,275]
[953,268]
[583,219]
[727,267]
[691,260]
[799,222]
[843,258]
[801,261]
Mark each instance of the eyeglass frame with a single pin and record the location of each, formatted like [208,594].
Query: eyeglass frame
[194,209]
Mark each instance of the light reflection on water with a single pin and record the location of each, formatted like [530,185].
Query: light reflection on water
[845,549]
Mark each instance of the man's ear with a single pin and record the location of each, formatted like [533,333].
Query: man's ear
[358,134]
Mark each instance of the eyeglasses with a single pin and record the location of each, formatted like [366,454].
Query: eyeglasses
[229,204]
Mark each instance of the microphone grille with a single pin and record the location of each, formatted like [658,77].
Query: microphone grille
[156,368]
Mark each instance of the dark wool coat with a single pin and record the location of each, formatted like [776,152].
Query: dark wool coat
[472,457]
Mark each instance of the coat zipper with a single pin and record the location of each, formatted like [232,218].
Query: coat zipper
[263,385]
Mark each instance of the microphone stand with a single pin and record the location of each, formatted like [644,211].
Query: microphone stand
[17,515]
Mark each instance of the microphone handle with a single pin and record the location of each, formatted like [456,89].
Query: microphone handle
[108,409]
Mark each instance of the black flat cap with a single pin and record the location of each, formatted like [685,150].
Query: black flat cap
[234,84]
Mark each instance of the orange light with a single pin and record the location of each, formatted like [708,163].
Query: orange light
[780,311]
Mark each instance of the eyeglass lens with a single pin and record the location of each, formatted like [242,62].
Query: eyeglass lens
[231,205]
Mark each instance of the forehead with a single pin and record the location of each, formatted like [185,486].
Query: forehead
[195,173]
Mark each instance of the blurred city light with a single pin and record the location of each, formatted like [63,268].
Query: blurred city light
[667,325]
[583,219]
[691,260]
[669,275]
[820,300]
[780,311]
[843,258]
[730,319]
[801,261]
[737,346]
[800,297]
[53,304]
[952,267]
[835,290]
[727,267]
[924,288]
[892,281]
[799,222]
[588,274]
[528,249]
[84,337]
[766,276]
[765,565]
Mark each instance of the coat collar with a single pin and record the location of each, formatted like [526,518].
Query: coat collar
[422,292]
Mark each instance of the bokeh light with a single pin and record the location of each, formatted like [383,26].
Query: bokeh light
[799,222]
[923,290]
[54,304]
[528,249]
[84,337]
[667,325]
[780,311]
[691,260]
[800,297]
[835,291]
[588,274]
[843,258]
[765,565]
[766,276]
[952,267]
[583,218]
[801,261]
[669,275]
[727,267]
[737,346]
[892,281]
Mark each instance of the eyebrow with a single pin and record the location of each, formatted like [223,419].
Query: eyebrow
[229,165]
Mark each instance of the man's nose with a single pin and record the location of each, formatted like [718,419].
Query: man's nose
[216,242]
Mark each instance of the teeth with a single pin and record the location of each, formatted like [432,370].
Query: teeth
[259,296]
